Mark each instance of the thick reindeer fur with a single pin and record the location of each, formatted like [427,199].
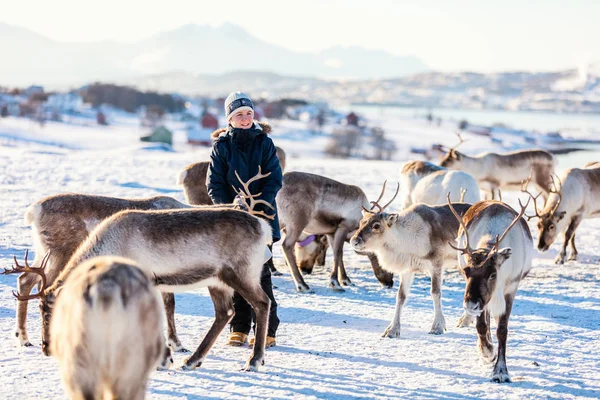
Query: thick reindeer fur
[221,248]
[318,205]
[193,180]
[424,182]
[507,170]
[492,282]
[579,199]
[107,330]
[60,224]
[416,239]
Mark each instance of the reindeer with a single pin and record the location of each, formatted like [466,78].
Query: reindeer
[575,198]
[424,182]
[107,330]
[504,170]
[318,205]
[60,223]
[493,273]
[412,240]
[310,249]
[221,248]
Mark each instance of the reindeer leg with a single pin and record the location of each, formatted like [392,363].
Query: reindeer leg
[339,240]
[291,237]
[500,373]
[439,323]
[393,330]
[222,298]
[486,348]
[384,277]
[173,340]
[337,243]
[25,284]
[570,237]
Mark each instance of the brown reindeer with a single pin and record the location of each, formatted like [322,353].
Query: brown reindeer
[318,205]
[492,272]
[60,223]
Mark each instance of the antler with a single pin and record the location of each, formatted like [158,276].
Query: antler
[39,271]
[463,192]
[557,191]
[496,245]
[251,198]
[467,249]
[524,185]
[376,202]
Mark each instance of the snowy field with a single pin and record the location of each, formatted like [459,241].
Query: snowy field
[329,344]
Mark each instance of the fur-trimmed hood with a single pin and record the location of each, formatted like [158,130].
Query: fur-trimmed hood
[263,126]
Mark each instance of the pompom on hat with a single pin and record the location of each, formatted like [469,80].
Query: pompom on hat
[237,101]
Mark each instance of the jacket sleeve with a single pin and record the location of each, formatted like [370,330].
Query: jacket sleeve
[216,178]
[270,163]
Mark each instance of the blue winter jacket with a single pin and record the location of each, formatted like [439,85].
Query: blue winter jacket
[244,150]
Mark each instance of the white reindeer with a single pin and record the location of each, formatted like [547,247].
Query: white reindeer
[424,182]
[493,273]
[107,330]
[415,239]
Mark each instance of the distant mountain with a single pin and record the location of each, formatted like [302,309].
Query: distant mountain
[28,57]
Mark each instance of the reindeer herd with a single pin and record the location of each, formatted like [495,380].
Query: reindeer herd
[101,262]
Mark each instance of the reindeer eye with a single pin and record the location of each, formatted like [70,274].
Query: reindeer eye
[376,226]
[493,275]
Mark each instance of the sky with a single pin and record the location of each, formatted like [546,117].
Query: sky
[485,36]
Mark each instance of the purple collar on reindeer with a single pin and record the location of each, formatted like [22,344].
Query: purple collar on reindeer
[306,242]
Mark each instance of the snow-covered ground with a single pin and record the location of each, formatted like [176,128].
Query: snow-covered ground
[329,344]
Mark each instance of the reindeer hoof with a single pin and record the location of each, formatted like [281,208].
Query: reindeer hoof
[391,332]
[347,282]
[335,286]
[303,288]
[559,260]
[437,331]
[187,366]
[501,377]
[27,344]
[488,355]
[573,257]
[253,365]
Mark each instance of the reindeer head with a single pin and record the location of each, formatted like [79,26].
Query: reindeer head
[374,226]
[46,297]
[482,265]
[311,253]
[549,219]
[453,158]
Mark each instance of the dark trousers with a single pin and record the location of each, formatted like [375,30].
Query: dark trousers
[244,314]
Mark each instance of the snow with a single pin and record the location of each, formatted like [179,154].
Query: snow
[329,344]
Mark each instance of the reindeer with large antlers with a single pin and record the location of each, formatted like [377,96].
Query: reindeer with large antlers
[413,240]
[493,273]
[576,197]
[318,205]
[504,171]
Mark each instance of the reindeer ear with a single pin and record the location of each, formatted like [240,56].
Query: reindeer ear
[391,219]
[503,255]
[560,215]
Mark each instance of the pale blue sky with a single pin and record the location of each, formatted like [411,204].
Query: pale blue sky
[447,35]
